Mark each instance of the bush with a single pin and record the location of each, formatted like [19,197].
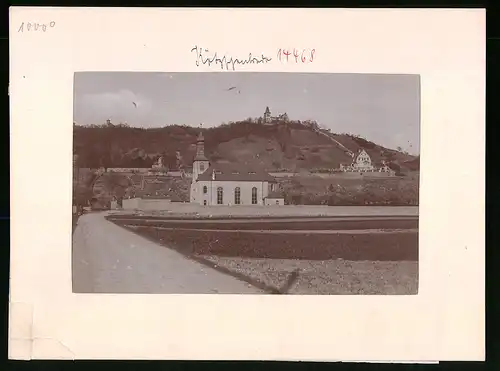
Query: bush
[392,193]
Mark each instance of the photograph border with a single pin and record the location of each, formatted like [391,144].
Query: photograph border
[48,321]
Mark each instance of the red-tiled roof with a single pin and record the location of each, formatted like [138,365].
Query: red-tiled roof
[232,172]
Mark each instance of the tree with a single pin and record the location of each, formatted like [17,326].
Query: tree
[115,155]
[82,195]
[115,184]
[119,192]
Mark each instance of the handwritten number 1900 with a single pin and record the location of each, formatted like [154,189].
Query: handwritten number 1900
[304,56]
[35,26]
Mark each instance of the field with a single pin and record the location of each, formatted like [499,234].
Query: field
[331,255]
[342,189]
[274,224]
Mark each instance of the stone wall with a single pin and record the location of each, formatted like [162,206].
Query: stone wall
[186,208]
[274,201]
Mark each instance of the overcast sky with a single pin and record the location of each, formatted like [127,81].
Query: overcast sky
[381,108]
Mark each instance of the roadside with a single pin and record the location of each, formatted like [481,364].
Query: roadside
[324,261]
[190,211]
[110,259]
[75,221]
[328,277]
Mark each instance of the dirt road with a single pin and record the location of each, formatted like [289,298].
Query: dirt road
[109,259]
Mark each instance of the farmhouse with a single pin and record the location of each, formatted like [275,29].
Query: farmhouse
[225,184]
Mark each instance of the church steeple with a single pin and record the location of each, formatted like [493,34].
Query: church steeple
[200,162]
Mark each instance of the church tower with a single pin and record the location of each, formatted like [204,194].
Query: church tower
[200,163]
[267,115]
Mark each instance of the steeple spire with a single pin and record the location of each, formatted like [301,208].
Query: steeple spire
[200,147]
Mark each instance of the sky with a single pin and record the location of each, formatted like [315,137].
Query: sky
[382,108]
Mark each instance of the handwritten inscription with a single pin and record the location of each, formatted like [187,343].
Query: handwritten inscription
[205,57]
[35,26]
[296,55]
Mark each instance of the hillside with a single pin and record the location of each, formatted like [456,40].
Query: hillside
[281,146]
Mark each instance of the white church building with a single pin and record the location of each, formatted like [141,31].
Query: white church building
[226,184]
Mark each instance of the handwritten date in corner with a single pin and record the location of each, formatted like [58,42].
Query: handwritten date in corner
[35,26]
[296,55]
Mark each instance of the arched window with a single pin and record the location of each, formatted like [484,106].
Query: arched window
[219,196]
[204,189]
[202,167]
[237,195]
[254,196]
[205,202]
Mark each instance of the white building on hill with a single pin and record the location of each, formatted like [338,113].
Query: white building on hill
[225,184]
[362,163]
[269,119]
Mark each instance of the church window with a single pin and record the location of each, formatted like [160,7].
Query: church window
[254,196]
[237,196]
[219,196]
[277,202]
[202,167]
[205,202]
[204,189]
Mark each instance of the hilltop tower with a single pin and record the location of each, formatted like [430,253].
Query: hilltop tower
[200,162]
[267,115]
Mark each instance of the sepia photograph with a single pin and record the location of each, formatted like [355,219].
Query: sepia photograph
[246,183]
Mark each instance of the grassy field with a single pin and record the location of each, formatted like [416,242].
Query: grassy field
[345,190]
[367,262]
[276,225]
[329,277]
[310,246]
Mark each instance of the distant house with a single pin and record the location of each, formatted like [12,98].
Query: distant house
[158,188]
[274,197]
[159,166]
[362,163]
[268,118]
[227,184]
[386,169]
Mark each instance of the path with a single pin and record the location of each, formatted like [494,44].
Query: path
[109,259]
